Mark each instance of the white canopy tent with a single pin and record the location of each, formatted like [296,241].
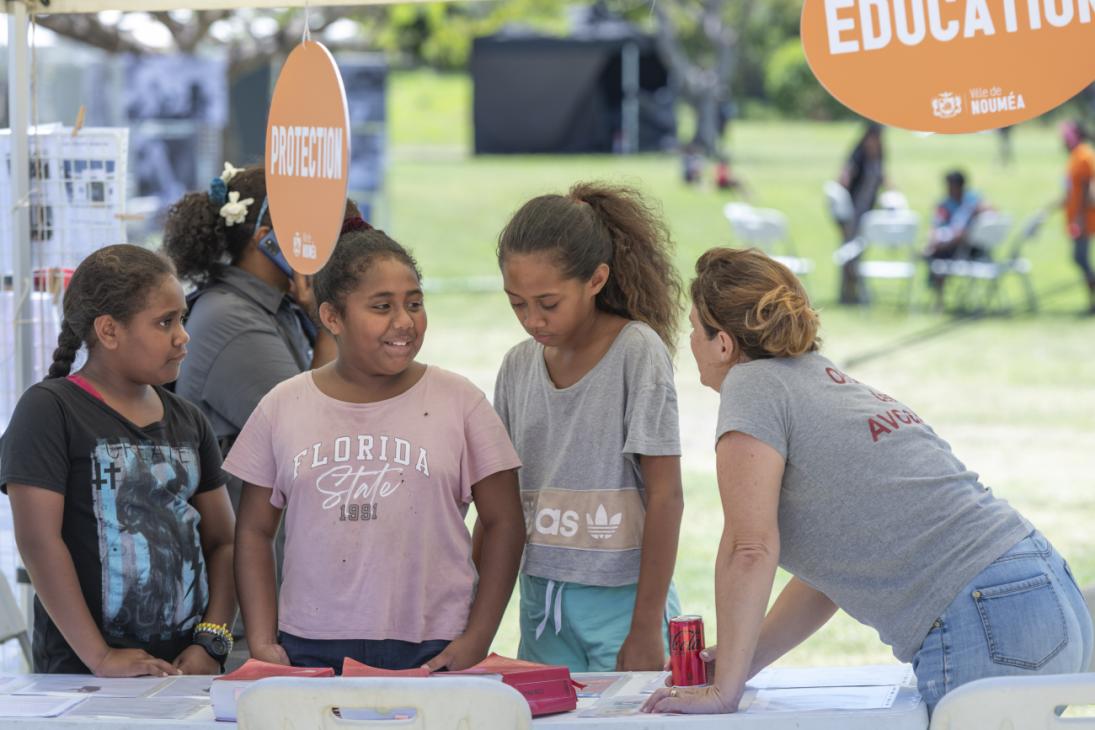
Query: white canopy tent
[19,101]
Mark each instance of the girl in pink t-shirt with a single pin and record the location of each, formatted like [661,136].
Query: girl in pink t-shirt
[373,459]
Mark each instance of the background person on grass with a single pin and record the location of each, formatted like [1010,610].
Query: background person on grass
[863,175]
[954,215]
[1079,202]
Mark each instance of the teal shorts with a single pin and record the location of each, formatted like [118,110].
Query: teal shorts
[579,626]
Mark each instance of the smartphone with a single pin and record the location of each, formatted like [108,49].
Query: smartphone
[269,246]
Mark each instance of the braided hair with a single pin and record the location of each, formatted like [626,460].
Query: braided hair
[115,280]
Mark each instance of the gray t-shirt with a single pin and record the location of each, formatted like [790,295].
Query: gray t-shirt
[245,338]
[875,511]
[581,485]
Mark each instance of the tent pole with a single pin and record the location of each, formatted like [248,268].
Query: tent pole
[19,119]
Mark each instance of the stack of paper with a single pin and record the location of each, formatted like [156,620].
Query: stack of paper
[225,690]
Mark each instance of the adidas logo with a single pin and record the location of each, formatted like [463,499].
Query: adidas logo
[600,526]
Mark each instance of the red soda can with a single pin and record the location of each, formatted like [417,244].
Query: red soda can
[685,645]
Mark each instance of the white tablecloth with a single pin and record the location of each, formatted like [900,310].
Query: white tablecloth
[906,713]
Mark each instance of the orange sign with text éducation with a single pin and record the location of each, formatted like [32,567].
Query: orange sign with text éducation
[950,65]
[308,156]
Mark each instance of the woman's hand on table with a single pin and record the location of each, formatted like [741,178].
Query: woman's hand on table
[132,663]
[196,660]
[708,700]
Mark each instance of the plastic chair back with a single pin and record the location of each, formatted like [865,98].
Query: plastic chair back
[1016,703]
[839,201]
[12,622]
[989,230]
[890,228]
[407,703]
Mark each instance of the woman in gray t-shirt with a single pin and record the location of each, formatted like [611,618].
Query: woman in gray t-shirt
[853,493]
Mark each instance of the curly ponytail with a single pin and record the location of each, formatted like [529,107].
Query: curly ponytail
[757,301]
[116,281]
[196,237]
[596,224]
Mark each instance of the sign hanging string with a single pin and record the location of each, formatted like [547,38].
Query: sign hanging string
[307,36]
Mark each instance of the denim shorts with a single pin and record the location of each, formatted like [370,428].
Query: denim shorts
[380,653]
[1023,615]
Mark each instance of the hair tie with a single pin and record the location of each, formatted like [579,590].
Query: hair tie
[235,210]
[218,186]
[218,191]
[355,223]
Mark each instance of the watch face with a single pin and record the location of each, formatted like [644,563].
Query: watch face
[220,645]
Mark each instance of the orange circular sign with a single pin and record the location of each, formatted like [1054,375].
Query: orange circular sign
[308,156]
[950,65]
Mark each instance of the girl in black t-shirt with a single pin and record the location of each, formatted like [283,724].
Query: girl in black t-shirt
[120,511]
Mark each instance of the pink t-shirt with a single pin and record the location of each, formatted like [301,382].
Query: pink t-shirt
[375,497]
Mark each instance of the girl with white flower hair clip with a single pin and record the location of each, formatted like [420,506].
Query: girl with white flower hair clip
[252,323]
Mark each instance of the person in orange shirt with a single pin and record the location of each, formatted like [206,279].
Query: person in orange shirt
[1079,206]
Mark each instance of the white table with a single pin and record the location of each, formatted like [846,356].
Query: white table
[907,712]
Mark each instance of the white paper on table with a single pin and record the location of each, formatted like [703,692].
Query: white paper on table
[636,683]
[615,706]
[876,675]
[192,685]
[596,683]
[139,708]
[12,683]
[655,683]
[805,699]
[36,705]
[86,684]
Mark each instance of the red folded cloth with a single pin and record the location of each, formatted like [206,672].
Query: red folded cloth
[547,689]
[253,669]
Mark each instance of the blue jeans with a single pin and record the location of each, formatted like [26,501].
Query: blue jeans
[380,653]
[1022,615]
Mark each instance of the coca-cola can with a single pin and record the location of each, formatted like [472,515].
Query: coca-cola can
[685,645]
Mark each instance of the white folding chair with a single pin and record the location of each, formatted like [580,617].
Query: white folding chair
[12,623]
[768,230]
[839,201]
[889,238]
[989,231]
[435,703]
[1016,703]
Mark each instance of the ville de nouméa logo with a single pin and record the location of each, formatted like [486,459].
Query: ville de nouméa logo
[947,105]
[600,526]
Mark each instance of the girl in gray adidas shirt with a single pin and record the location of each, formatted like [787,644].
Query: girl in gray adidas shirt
[856,496]
[590,405]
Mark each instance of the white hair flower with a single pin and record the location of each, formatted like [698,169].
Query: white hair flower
[229,172]
[235,210]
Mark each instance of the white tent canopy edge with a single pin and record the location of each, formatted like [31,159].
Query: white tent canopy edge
[19,119]
[38,7]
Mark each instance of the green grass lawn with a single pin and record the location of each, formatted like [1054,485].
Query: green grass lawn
[1015,395]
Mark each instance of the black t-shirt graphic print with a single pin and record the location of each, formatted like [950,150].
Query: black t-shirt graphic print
[128,521]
